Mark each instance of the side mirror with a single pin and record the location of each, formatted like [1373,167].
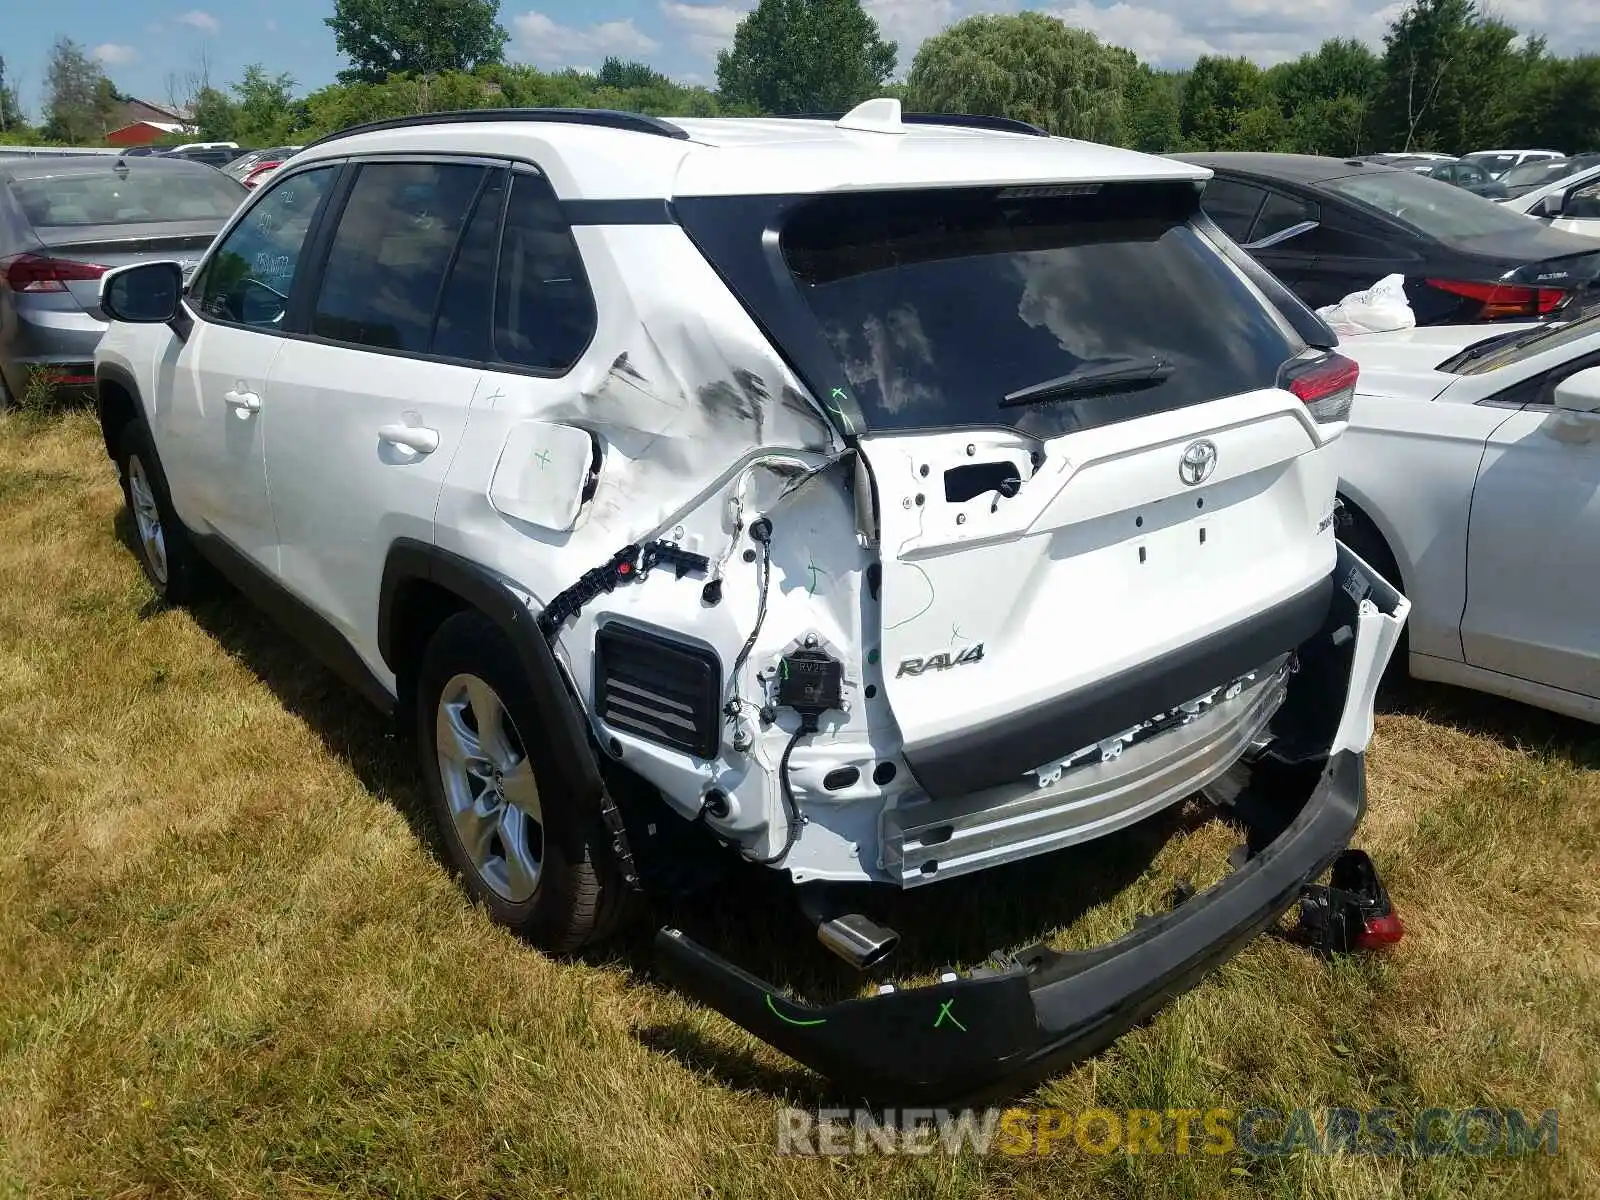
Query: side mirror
[143,294]
[1549,207]
[1579,392]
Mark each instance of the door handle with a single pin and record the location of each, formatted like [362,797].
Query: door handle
[242,401]
[416,438]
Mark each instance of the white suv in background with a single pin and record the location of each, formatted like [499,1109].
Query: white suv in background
[891,497]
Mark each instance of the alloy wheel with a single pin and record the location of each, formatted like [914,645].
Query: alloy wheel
[490,788]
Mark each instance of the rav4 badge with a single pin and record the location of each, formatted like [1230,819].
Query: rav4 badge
[940,662]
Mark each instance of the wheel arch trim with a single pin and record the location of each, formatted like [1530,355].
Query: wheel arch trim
[122,377]
[573,762]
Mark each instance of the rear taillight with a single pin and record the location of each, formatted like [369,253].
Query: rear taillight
[252,178]
[1505,300]
[1325,385]
[36,273]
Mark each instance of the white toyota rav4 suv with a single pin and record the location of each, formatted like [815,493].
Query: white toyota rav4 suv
[892,496]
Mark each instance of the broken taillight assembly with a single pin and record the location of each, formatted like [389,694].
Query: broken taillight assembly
[37,273]
[1501,300]
[1326,385]
[1351,911]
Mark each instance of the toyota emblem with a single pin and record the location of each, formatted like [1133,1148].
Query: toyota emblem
[1198,461]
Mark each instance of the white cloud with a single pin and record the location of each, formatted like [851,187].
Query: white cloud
[203,21]
[114,55]
[706,28]
[1168,33]
[538,38]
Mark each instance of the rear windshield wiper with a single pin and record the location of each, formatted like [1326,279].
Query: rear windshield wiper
[1097,378]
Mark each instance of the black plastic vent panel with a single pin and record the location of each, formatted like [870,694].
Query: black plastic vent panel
[657,689]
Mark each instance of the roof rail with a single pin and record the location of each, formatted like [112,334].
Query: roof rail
[954,120]
[602,117]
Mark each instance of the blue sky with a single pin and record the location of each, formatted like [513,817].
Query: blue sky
[144,42]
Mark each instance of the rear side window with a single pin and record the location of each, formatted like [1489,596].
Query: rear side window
[940,304]
[1278,214]
[544,313]
[395,242]
[1233,206]
[461,329]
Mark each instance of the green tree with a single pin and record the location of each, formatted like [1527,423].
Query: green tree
[1326,98]
[386,37]
[1450,76]
[615,73]
[1152,101]
[794,56]
[264,110]
[1560,105]
[1219,94]
[10,108]
[1030,67]
[79,100]
[216,116]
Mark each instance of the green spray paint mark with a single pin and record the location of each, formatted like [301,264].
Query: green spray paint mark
[944,1015]
[544,458]
[794,1021]
[838,395]
[811,565]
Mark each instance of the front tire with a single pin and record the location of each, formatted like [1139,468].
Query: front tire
[531,856]
[170,562]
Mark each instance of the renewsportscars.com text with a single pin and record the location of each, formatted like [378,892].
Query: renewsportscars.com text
[1256,1132]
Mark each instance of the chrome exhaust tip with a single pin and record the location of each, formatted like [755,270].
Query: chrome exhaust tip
[861,942]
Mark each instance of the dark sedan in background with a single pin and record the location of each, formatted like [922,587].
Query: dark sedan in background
[64,222]
[1328,227]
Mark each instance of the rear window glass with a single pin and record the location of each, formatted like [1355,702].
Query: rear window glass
[1439,210]
[1494,162]
[133,196]
[1538,172]
[940,304]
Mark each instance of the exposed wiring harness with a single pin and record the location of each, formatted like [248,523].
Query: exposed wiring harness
[761,534]
[791,807]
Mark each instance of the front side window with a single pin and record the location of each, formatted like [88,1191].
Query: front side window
[942,304]
[1583,203]
[395,243]
[247,280]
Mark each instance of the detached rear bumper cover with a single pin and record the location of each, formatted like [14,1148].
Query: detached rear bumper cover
[997,1032]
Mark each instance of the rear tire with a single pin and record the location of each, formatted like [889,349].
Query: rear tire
[163,546]
[539,863]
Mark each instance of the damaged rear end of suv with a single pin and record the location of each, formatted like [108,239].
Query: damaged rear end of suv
[1092,481]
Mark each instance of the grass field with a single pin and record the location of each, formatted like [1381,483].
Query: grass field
[230,962]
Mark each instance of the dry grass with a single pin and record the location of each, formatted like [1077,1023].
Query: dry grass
[229,964]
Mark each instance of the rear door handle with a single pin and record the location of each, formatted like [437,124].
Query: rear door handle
[241,400]
[416,438]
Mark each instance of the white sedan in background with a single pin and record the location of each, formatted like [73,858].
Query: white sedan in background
[1471,471]
[1571,203]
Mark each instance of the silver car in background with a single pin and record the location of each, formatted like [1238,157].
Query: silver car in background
[64,222]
